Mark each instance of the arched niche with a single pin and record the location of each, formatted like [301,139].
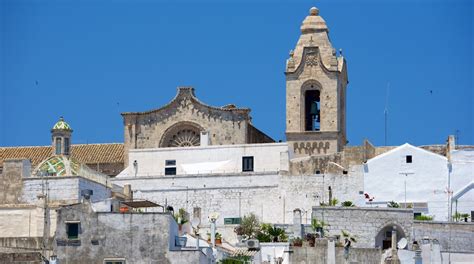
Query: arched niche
[383,239]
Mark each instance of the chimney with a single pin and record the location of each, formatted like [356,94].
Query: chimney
[127,191]
[297,230]
[204,138]
[450,146]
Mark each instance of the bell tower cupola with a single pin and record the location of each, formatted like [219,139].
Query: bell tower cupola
[316,80]
[61,138]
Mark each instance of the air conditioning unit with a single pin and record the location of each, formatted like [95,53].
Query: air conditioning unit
[252,243]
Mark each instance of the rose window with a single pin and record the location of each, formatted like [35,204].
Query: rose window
[184,138]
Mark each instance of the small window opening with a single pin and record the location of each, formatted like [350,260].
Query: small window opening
[72,230]
[409,159]
[312,110]
[66,146]
[318,172]
[58,146]
[170,163]
[344,172]
[114,261]
[170,171]
[247,163]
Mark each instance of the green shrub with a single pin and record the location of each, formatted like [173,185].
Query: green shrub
[348,204]
[423,218]
[393,204]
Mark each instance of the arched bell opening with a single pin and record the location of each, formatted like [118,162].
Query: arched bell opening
[312,110]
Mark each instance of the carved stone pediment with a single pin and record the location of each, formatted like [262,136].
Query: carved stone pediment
[311,57]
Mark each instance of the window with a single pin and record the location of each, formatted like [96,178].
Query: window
[170,162]
[58,146]
[72,230]
[409,159]
[66,146]
[114,261]
[247,163]
[318,172]
[416,215]
[170,167]
[232,221]
[344,172]
[170,171]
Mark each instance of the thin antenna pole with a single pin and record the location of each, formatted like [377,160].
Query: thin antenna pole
[387,93]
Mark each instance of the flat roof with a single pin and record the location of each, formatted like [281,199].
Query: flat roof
[141,204]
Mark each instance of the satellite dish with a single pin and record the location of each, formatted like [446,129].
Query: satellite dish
[402,243]
[195,222]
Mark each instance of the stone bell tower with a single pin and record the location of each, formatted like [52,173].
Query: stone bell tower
[316,80]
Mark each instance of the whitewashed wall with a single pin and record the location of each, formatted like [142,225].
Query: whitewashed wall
[271,196]
[208,159]
[64,189]
[427,178]
[463,173]
[24,221]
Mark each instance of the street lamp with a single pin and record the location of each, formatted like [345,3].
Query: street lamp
[406,175]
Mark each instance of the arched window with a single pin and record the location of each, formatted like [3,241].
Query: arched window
[66,146]
[58,146]
[312,107]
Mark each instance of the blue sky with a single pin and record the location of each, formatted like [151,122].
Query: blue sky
[90,60]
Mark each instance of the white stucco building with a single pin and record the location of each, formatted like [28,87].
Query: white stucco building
[420,178]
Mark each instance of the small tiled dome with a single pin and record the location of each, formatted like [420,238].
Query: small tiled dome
[61,125]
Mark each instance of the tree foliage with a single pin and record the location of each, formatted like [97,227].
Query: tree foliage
[250,226]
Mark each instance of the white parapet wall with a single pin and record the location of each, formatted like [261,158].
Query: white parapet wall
[207,159]
[25,220]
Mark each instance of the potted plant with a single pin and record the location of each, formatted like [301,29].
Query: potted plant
[278,234]
[297,242]
[319,226]
[180,218]
[351,237]
[218,238]
[311,238]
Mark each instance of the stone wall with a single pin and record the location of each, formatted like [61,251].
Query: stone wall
[455,237]
[11,180]
[271,196]
[22,244]
[319,254]
[148,237]
[21,258]
[364,223]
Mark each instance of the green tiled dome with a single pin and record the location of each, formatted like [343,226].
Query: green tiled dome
[58,166]
[61,125]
